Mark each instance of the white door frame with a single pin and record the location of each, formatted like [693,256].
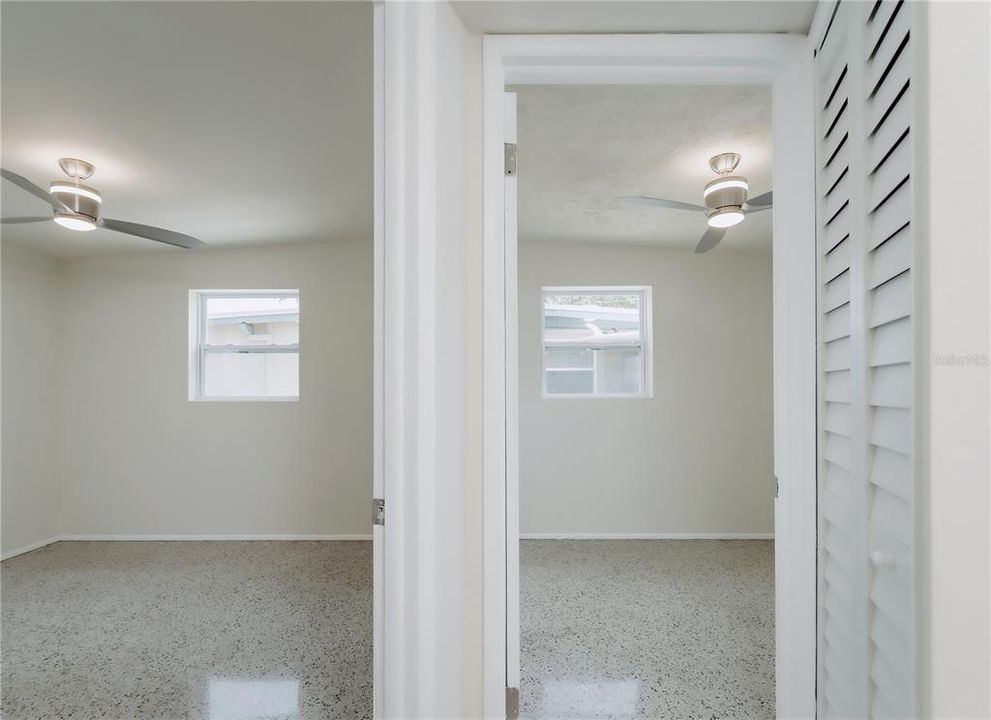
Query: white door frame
[785,63]
[378,356]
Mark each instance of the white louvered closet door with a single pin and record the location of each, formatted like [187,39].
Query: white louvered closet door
[864,154]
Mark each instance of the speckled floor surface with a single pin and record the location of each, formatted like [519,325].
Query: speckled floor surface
[219,630]
[250,630]
[677,629]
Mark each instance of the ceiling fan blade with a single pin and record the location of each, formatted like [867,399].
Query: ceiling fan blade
[662,202]
[765,199]
[25,184]
[710,239]
[749,209]
[20,220]
[168,237]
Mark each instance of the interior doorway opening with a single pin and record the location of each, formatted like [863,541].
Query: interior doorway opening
[783,64]
[646,492]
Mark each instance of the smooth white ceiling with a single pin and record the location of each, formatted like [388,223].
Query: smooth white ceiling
[582,148]
[636,16]
[241,123]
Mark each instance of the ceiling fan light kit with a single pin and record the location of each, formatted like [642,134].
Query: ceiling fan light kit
[725,218]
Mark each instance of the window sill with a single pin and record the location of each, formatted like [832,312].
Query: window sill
[595,396]
[261,399]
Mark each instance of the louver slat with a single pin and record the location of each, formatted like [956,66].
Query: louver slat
[837,386]
[837,261]
[837,481]
[836,325]
[892,471]
[892,300]
[891,512]
[836,293]
[837,418]
[883,101]
[891,344]
[890,174]
[894,30]
[890,259]
[879,23]
[839,196]
[892,429]
[838,354]
[837,450]
[891,217]
[892,386]
[837,228]
[892,128]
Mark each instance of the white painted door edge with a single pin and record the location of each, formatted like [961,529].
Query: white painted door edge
[784,62]
[378,357]
[512,403]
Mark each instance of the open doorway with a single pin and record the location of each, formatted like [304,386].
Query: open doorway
[646,485]
[784,65]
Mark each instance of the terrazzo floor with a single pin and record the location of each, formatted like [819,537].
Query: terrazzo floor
[656,629]
[282,630]
[168,630]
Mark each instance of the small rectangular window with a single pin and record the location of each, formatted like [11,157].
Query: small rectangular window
[244,345]
[596,341]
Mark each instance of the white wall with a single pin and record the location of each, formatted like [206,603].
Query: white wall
[432,358]
[696,458]
[956,434]
[140,459]
[31,437]
[459,366]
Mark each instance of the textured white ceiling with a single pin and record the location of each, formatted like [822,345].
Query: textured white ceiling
[636,16]
[581,148]
[241,123]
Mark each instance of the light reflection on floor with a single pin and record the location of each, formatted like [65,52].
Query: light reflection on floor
[253,699]
[570,699]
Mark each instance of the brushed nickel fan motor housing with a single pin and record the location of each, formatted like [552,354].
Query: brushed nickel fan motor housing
[726,191]
[80,199]
[83,201]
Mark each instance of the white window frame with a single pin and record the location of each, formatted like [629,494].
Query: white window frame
[646,338]
[198,347]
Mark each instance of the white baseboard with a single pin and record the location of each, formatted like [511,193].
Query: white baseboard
[196,538]
[646,536]
[29,548]
[200,538]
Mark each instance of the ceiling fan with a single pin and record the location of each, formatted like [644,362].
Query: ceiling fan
[77,207]
[726,202]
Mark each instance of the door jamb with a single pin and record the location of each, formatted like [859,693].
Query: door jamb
[785,63]
[378,356]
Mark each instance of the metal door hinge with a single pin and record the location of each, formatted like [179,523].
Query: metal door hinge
[378,511]
[510,154]
[512,703]
[775,487]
